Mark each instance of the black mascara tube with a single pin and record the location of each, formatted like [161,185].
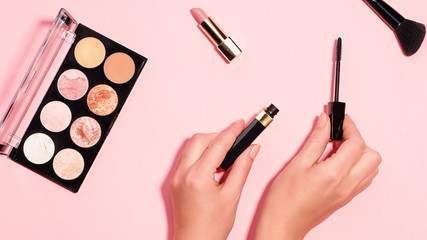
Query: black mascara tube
[336,108]
[249,134]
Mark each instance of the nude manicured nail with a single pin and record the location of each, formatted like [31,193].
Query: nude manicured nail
[254,151]
[321,121]
[238,121]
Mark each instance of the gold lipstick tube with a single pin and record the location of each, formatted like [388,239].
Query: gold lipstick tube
[224,43]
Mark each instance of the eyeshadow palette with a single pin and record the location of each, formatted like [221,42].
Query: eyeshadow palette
[79,108]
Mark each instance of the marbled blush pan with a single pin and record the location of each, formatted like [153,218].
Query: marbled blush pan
[85,132]
[102,100]
[73,84]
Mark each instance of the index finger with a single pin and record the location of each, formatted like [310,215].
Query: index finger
[218,148]
[195,148]
[351,149]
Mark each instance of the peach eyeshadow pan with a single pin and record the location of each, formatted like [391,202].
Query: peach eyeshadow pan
[68,164]
[119,68]
[89,52]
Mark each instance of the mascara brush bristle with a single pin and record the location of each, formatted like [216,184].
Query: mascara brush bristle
[337,70]
[339,46]
[410,35]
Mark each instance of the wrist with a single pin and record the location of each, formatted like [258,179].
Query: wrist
[278,231]
[197,234]
[278,223]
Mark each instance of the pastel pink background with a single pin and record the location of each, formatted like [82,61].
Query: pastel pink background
[186,88]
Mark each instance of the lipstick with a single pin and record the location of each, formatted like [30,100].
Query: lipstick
[249,134]
[226,46]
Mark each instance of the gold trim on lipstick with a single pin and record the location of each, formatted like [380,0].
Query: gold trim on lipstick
[264,118]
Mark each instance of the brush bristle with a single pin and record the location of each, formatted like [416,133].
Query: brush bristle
[339,47]
[411,35]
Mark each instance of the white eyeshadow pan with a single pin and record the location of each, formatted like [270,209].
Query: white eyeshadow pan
[39,148]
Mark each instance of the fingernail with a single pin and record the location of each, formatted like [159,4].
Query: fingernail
[237,122]
[254,151]
[321,121]
[217,176]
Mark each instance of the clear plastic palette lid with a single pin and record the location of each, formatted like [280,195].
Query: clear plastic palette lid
[14,124]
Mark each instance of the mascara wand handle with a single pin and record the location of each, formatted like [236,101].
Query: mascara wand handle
[387,13]
[337,81]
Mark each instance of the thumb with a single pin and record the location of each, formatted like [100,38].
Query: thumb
[240,170]
[316,143]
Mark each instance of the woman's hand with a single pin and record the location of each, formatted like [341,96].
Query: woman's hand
[203,208]
[308,191]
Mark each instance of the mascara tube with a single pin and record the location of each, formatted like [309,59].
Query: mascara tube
[249,134]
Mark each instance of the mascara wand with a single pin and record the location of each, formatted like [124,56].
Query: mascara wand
[338,70]
[337,108]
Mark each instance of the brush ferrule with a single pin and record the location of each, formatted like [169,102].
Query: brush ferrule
[387,13]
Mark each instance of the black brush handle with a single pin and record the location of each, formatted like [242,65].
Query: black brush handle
[388,14]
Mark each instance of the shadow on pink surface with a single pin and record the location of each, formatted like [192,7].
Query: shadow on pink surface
[165,189]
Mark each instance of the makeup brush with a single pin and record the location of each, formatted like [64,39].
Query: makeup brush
[337,108]
[410,34]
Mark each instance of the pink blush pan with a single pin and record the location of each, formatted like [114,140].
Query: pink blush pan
[55,116]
